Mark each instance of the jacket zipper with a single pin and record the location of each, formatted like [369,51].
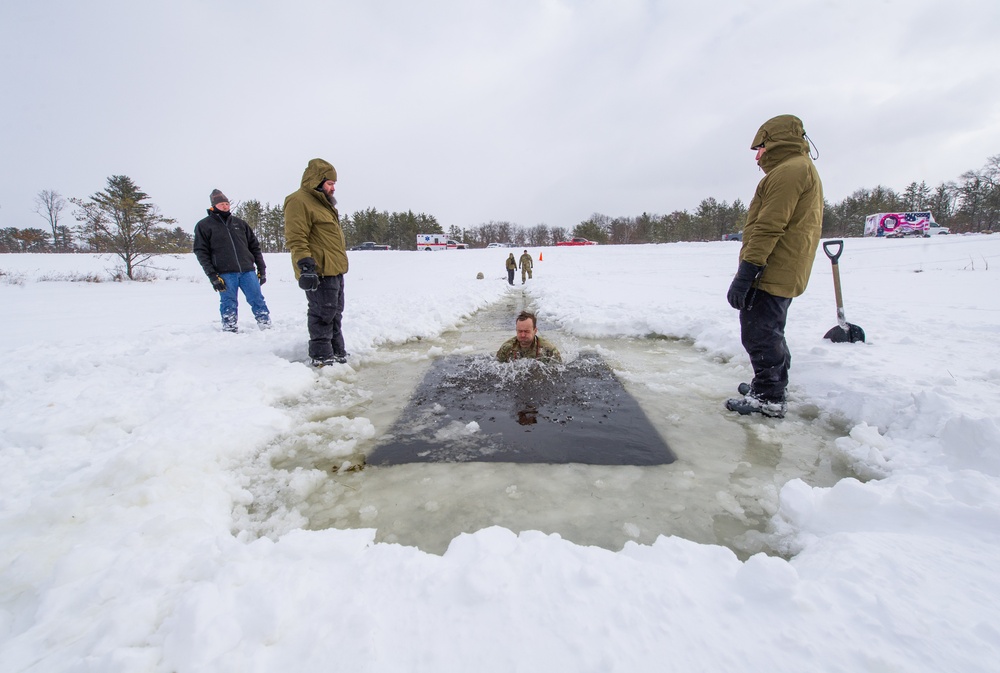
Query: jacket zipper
[236,255]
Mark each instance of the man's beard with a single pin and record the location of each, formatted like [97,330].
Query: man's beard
[332,199]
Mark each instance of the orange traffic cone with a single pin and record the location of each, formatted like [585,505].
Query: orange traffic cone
[539,257]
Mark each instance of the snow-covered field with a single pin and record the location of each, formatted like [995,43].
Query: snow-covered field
[131,429]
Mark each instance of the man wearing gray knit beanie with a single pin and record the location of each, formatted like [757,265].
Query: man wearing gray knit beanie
[228,251]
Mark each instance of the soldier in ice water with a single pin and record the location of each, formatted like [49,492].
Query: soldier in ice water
[527,343]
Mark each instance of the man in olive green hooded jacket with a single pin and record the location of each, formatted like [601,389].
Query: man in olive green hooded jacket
[319,257]
[782,233]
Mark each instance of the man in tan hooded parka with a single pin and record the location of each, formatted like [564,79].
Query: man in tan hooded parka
[782,233]
[319,257]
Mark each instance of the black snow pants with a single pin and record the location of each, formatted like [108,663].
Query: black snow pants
[326,309]
[762,329]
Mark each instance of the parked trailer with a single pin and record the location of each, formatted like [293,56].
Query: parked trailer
[897,225]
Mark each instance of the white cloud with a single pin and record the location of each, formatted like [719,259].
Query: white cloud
[471,111]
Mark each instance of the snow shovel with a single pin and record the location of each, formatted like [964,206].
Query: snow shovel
[844,331]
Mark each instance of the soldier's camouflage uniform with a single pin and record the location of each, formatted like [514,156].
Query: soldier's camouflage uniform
[526,264]
[540,350]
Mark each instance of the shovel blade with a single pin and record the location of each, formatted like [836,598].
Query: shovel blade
[849,333]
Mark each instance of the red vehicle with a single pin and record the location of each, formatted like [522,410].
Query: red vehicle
[577,241]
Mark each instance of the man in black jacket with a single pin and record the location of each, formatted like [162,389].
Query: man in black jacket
[227,250]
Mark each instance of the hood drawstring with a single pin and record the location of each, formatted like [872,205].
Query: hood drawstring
[813,147]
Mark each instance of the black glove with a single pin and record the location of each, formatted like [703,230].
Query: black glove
[261,277]
[218,284]
[308,279]
[739,290]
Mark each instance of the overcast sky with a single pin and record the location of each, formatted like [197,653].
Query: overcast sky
[478,110]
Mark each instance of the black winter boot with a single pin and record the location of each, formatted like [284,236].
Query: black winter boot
[751,404]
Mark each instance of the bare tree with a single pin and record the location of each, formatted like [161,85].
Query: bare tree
[539,235]
[623,230]
[50,204]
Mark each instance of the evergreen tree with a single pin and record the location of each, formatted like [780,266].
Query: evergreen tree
[597,228]
[273,228]
[916,197]
[121,220]
[591,231]
[24,240]
[679,226]
[367,225]
[267,222]
[403,228]
[645,228]
[971,211]
[252,212]
[942,202]
[173,241]
[7,241]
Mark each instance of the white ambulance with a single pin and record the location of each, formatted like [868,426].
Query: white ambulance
[438,242]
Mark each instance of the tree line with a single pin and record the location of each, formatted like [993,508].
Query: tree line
[123,221]
[119,220]
[969,204]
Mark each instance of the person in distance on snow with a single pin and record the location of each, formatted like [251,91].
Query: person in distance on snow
[227,250]
[525,263]
[782,233]
[319,257]
[511,268]
[526,343]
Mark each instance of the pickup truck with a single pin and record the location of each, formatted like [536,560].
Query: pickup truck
[370,245]
[577,241]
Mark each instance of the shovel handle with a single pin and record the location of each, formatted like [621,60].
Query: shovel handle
[834,256]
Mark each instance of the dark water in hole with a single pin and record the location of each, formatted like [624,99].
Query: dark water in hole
[723,483]
[475,409]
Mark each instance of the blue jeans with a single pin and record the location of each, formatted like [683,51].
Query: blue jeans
[246,281]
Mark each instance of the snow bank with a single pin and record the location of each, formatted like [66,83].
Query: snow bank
[130,427]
